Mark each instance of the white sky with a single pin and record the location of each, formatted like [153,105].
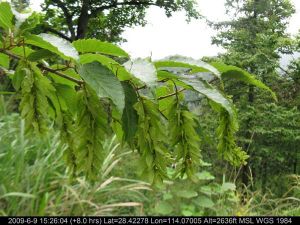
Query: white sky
[164,36]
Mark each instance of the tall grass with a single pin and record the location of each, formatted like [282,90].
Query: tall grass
[268,204]
[34,180]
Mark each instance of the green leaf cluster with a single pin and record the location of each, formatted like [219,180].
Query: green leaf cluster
[184,140]
[36,92]
[151,142]
[90,130]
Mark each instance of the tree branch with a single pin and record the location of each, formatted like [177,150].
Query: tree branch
[284,70]
[114,4]
[10,54]
[169,95]
[83,20]
[60,34]
[68,16]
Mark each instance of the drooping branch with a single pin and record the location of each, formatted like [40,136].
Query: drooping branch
[43,67]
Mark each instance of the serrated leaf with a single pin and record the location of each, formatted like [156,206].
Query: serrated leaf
[104,82]
[67,97]
[37,92]
[129,116]
[164,104]
[91,127]
[6,15]
[20,72]
[143,70]
[54,44]
[187,62]
[209,91]
[177,67]
[234,72]
[111,64]
[93,46]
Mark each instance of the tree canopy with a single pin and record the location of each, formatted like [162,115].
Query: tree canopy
[105,20]
[255,39]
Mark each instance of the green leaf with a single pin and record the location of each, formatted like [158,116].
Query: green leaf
[186,62]
[18,194]
[54,44]
[20,18]
[20,73]
[178,67]
[228,187]
[186,193]
[227,147]
[20,51]
[4,60]
[129,116]
[67,97]
[39,54]
[143,70]
[164,208]
[96,46]
[209,91]
[111,64]
[207,190]
[151,142]
[29,23]
[70,72]
[91,127]
[37,93]
[205,175]
[234,72]
[164,104]
[205,202]
[187,211]
[104,82]
[184,140]
[6,15]
[161,74]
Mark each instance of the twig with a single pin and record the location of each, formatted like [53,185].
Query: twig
[44,67]
[169,95]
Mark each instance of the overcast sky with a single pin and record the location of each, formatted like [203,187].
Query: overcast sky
[164,36]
